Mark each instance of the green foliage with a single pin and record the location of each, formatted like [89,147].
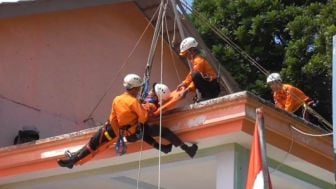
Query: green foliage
[290,37]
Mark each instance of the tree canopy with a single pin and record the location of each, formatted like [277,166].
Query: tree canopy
[293,38]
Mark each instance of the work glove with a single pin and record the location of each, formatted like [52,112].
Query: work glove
[180,86]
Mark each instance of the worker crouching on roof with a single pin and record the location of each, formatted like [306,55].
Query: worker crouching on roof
[290,98]
[127,119]
[202,76]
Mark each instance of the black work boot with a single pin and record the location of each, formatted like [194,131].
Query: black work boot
[69,163]
[190,150]
[74,158]
[165,148]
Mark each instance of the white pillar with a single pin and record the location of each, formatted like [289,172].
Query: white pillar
[225,169]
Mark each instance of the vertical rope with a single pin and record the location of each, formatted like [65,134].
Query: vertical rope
[140,157]
[160,98]
[171,50]
[122,67]
[148,74]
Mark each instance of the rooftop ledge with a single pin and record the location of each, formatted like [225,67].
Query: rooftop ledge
[223,120]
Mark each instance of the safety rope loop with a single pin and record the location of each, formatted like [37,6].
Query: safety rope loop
[139,131]
[145,87]
[311,134]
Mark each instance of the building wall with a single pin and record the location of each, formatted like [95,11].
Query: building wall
[56,66]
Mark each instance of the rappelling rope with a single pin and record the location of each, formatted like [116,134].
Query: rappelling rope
[160,97]
[140,157]
[147,74]
[309,134]
[281,163]
[291,128]
[145,88]
[122,67]
[171,42]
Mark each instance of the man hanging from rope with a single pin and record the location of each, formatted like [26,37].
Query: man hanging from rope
[290,98]
[127,119]
[160,94]
[202,76]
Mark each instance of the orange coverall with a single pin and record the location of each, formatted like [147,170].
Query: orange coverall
[127,111]
[290,98]
[201,65]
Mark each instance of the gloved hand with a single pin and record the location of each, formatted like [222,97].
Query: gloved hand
[185,92]
[180,86]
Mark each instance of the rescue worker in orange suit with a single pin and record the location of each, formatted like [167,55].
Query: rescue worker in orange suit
[290,98]
[159,94]
[202,76]
[127,116]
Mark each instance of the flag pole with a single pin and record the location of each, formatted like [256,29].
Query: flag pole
[260,121]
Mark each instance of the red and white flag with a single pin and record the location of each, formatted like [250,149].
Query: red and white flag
[255,177]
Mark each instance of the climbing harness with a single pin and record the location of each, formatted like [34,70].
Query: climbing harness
[125,135]
[120,146]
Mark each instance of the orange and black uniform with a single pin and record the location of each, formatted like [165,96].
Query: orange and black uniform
[127,115]
[127,112]
[202,77]
[152,130]
[290,98]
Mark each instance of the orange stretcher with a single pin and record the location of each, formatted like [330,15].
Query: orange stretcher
[175,97]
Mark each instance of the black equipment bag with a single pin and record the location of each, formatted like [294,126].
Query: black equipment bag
[26,134]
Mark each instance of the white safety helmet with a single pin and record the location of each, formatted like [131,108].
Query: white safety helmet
[186,44]
[273,77]
[132,80]
[162,90]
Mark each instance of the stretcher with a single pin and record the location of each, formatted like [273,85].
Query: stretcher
[174,98]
